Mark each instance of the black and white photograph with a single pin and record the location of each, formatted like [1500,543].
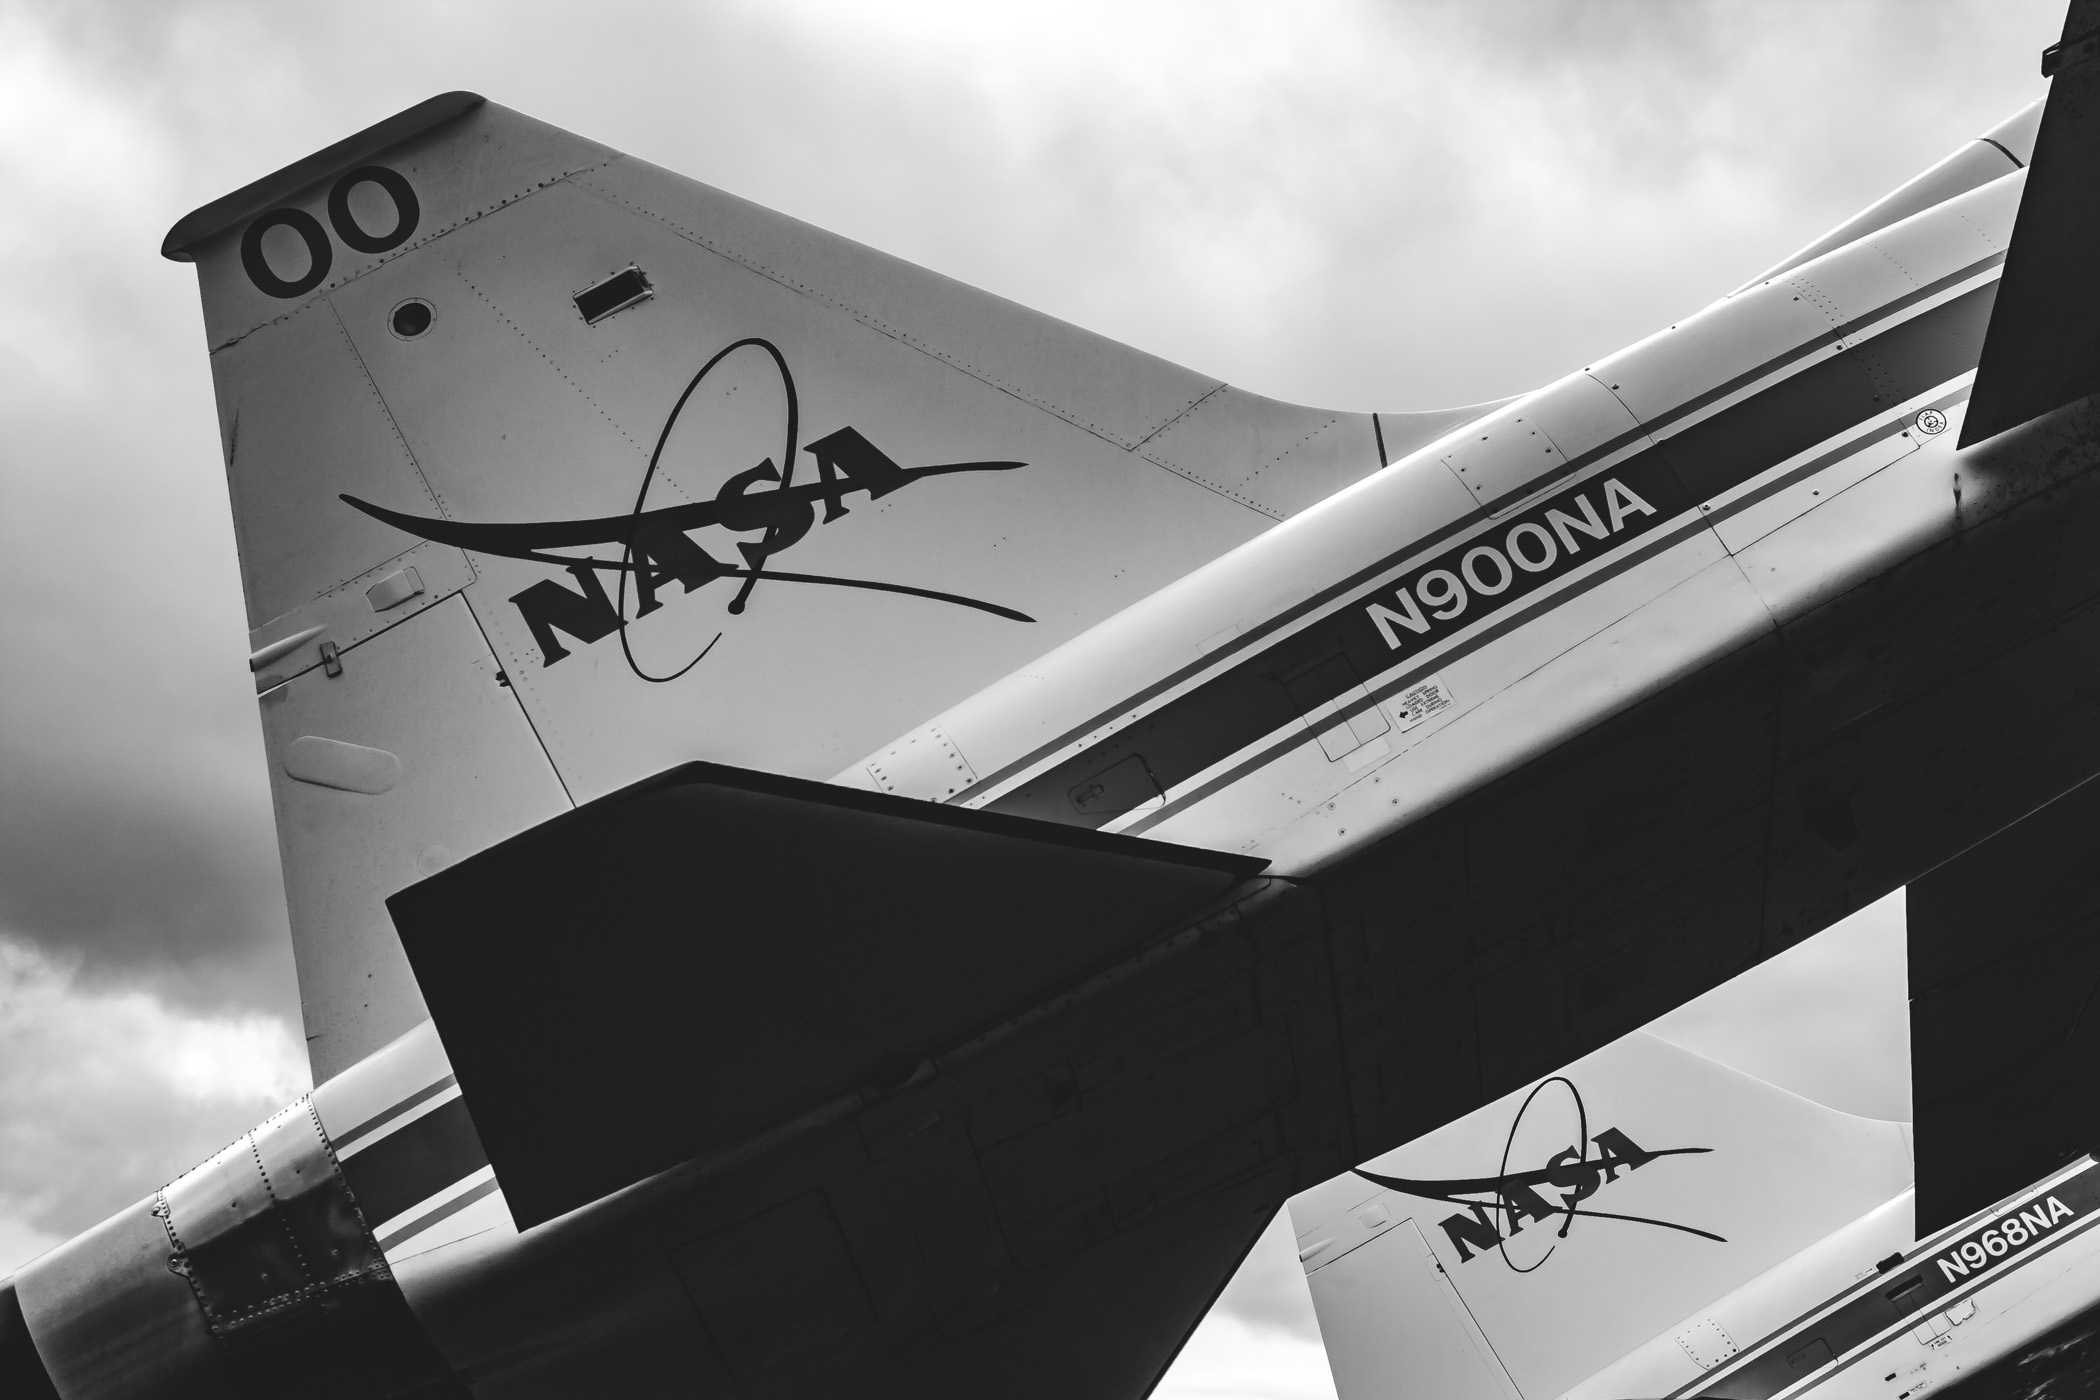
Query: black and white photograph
[1363,700]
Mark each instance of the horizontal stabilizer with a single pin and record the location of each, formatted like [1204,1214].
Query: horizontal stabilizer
[2042,350]
[682,964]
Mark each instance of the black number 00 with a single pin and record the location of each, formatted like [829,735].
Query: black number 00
[407,211]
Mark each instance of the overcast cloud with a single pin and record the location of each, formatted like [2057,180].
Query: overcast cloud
[1363,206]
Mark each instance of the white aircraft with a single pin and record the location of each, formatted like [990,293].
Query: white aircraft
[1223,791]
[1548,1246]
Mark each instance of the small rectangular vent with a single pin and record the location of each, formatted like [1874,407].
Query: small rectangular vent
[1905,1288]
[616,293]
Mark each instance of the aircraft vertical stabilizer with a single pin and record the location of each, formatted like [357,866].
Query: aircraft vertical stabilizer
[2043,347]
[552,470]
[1511,1254]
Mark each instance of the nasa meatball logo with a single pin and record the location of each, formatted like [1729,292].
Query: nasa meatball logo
[650,548]
[1577,1167]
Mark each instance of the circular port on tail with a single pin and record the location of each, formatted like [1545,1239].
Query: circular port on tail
[412,318]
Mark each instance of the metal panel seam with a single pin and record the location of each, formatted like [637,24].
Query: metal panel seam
[896,333]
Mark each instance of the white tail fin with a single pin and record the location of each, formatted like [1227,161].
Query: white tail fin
[1685,1179]
[517,428]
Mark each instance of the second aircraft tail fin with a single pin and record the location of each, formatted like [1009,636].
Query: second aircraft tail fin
[1511,1254]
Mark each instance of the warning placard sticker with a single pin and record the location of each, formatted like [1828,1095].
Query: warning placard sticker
[1418,702]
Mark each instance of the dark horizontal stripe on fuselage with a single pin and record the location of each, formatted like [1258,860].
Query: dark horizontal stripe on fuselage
[414,1162]
[458,1203]
[1899,1297]
[1824,399]
[1273,688]
[1510,621]
[379,1120]
[1857,330]
[1658,426]
[1269,689]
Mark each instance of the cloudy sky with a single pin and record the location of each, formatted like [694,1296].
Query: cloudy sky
[1372,206]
